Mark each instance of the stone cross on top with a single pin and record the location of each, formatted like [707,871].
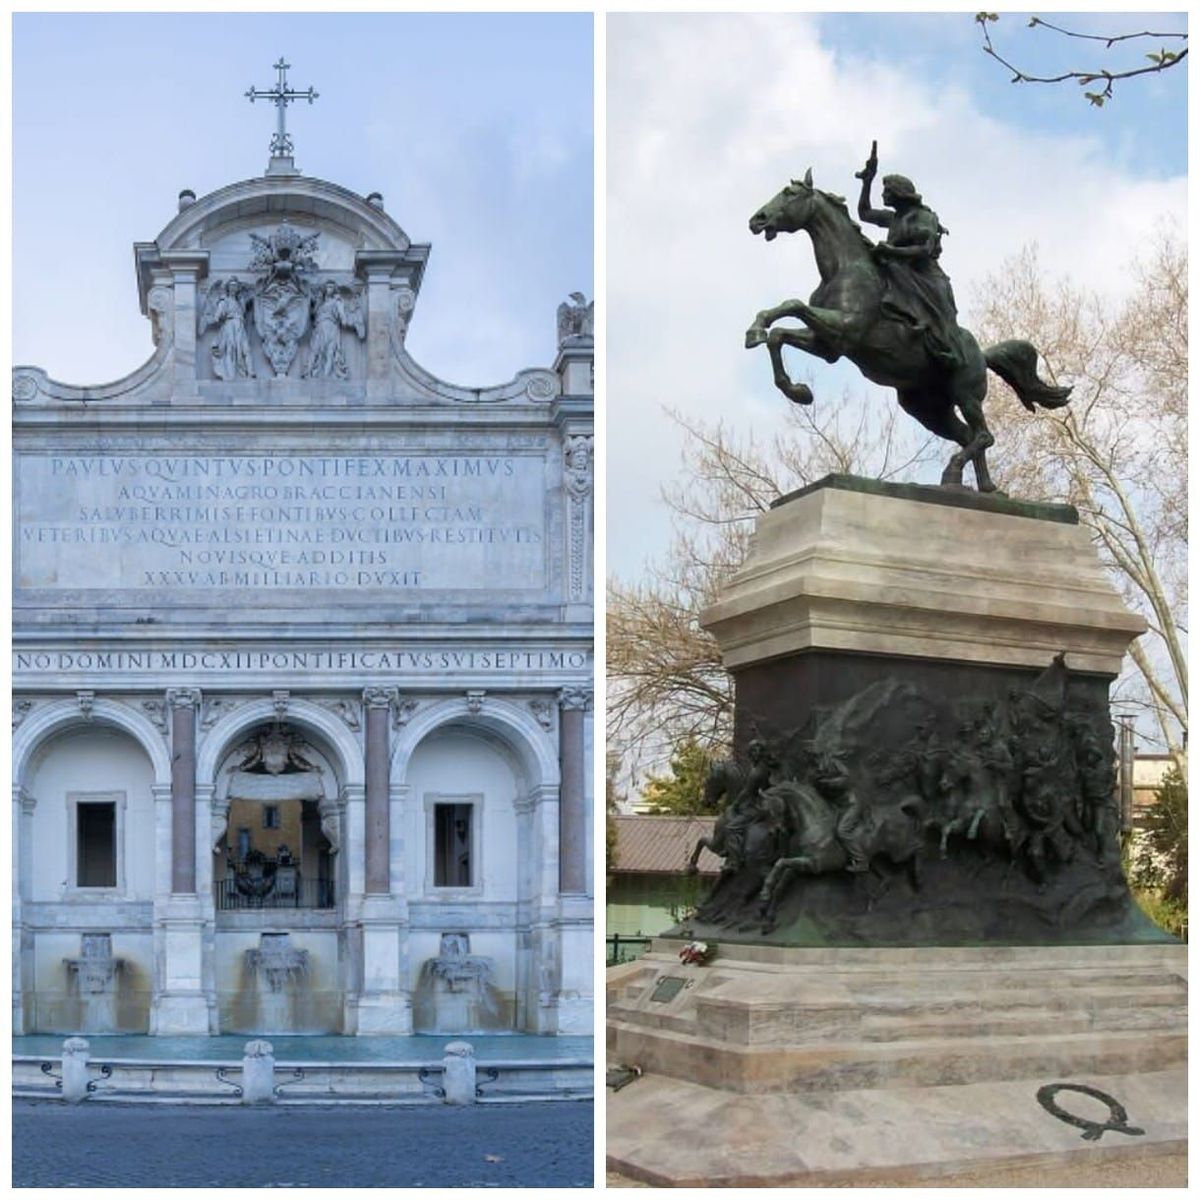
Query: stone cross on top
[281,95]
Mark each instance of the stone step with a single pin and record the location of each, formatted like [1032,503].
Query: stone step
[732,1013]
[897,1062]
[771,959]
[893,1026]
[912,980]
[800,1020]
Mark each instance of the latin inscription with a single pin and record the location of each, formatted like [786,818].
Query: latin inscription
[399,660]
[379,522]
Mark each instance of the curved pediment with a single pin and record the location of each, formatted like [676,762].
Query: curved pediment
[292,292]
[217,229]
[269,199]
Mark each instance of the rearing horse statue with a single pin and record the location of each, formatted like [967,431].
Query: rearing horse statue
[853,314]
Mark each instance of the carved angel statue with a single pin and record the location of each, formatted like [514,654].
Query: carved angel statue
[333,309]
[226,306]
[575,319]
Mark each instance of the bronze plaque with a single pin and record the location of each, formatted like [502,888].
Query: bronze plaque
[667,988]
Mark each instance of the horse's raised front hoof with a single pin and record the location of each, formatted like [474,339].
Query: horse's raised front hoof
[755,336]
[797,393]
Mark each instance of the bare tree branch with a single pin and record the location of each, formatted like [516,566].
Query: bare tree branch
[1161,61]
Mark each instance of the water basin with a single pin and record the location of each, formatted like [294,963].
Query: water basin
[325,1048]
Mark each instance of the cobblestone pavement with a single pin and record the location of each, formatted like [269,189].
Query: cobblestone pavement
[111,1145]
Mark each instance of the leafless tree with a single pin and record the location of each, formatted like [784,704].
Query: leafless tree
[666,681]
[1118,452]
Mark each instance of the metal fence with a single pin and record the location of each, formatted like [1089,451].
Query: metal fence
[625,947]
[308,893]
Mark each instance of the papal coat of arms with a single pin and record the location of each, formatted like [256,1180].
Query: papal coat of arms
[282,300]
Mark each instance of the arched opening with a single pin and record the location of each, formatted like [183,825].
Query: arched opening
[86,863]
[275,788]
[467,845]
[278,879]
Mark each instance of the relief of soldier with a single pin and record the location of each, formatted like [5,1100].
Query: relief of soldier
[1020,779]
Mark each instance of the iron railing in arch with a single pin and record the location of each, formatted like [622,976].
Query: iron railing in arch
[308,893]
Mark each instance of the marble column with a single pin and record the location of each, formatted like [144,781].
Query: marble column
[183,1003]
[183,704]
[572,805]
[378,703]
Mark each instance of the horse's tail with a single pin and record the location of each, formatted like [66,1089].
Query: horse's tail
[1015,362]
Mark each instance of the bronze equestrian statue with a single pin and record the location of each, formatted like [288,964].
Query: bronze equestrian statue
[890,309]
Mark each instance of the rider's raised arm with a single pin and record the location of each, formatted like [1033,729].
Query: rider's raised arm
[876,216]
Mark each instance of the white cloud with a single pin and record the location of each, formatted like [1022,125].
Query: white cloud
[708,117]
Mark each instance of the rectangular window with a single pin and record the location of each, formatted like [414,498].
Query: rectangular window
[452,865]
[96,845]
[270,816]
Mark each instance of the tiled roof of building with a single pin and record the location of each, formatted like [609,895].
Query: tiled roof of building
[662,845]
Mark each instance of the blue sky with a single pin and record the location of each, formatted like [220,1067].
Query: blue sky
[948,48]
[709,115]
[476,128]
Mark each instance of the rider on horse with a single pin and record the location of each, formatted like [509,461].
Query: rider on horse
[918,291]
[745,808]
[854,823]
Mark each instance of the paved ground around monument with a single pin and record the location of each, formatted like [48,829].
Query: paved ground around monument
[1168,1171]
[503,1145]
[816,1138]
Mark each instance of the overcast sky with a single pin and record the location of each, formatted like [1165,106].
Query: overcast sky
[477,129]
[710,115]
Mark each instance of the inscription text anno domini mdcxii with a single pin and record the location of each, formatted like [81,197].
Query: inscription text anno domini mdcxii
[374,521]
[435,661]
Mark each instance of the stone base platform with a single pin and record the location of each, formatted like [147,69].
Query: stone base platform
[668,1133]
[776,1065]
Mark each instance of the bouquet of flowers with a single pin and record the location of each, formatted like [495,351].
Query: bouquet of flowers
[697,954]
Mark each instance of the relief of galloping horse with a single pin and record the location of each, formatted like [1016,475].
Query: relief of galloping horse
[846,317]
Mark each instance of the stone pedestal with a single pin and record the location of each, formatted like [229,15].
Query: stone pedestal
[181,1005]
[926,572]
[928,670]
[851,581]
[258,1073]
[384,1004]
[75,1055]
[923,842]
[458,1073]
